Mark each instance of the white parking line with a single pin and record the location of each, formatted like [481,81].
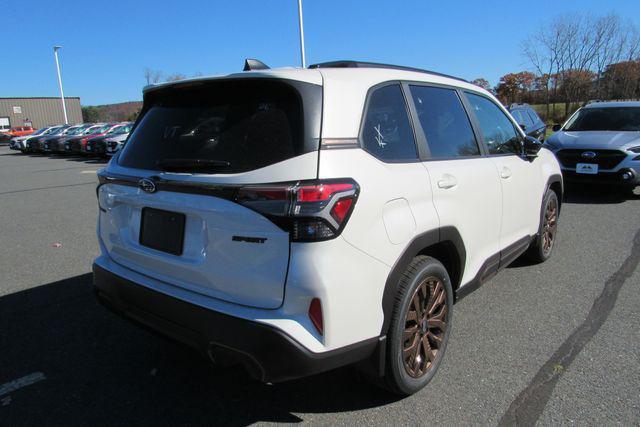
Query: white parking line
[90,171]
[25,381]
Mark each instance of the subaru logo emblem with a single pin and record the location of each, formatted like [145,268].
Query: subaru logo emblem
[147,185]
[588,155]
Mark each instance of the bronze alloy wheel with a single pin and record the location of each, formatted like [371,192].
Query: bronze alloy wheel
[550,225]
[425,326]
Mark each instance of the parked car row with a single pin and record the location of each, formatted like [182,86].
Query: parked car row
[93,139]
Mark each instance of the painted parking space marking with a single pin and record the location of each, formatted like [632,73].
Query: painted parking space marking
[25,381]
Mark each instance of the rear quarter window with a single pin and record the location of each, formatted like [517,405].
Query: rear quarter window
[245,123]
[386,132]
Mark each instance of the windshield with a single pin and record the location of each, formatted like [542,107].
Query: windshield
[612,118]
[71,130]
[116,129]
[76,131]
[40,131]
[231,126]
[103,129]
[95,130]
[88,130]
[54,130]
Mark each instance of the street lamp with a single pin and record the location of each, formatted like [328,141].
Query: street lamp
[301,24]
[64,107]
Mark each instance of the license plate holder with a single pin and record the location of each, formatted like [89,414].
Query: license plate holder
[587,168]
[162,230]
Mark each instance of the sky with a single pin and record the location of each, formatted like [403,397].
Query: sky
[108,44]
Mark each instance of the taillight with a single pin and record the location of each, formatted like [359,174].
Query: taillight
[310,211]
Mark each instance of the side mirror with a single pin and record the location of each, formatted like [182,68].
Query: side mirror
[556,128]
[523,127]
[531,147]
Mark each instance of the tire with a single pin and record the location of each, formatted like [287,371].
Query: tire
[541,248]
[423,279]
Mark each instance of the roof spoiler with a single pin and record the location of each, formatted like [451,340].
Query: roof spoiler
[254,64]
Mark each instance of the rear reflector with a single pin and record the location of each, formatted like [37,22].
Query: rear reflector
[315,314]
[341,209]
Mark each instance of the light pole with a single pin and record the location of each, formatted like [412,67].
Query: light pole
[301,24]
[64,107]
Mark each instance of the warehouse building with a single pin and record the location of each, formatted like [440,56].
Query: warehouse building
[37,112]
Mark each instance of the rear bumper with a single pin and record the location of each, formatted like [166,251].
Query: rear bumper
[268,353]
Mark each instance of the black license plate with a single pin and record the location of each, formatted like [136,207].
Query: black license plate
[162,230]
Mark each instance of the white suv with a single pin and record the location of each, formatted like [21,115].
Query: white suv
[297,220]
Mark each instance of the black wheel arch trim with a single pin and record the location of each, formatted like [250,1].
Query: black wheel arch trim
[556,179]
[419,244]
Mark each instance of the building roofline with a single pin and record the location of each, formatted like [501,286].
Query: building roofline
[38,97]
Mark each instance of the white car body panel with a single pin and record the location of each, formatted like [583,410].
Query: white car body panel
[382,183]
[521,197]
[472,206]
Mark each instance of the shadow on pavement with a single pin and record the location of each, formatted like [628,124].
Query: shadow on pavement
[102,369]
[598,194]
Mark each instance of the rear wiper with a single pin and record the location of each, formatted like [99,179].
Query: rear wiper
[190,164]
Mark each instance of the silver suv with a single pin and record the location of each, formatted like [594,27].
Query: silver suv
[600,143]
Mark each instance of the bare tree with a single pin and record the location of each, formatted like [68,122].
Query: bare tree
[152,76]
[572,53]
[175,77]
[482,82]
[543,51]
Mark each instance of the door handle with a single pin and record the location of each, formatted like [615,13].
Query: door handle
[505,173]
[447,181]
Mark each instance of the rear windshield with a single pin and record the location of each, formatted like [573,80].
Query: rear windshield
[611,118]
[219,127]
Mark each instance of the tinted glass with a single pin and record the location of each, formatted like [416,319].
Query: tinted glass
[387,132]
[229,126]
[498,131]
[444,122]
[612,118]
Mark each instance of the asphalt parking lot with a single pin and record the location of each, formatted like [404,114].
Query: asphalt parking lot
[555,343]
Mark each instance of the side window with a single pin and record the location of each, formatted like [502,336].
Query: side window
[387,132]
[499,133]
[444,122]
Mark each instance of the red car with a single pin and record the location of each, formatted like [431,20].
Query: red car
[21,131]
[99,132]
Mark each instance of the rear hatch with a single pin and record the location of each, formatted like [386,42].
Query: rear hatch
[168,204]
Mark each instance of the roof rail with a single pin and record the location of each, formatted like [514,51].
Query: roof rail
[518,104]
[361,64]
